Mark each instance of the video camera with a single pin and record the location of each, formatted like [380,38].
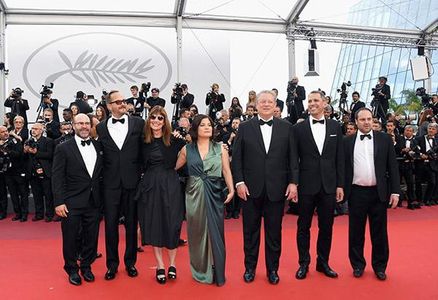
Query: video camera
[425,98]
[31,143]
[145,87]
[178,90]
[46,89]
[291,87]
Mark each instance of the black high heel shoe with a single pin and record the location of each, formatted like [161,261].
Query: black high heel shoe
[161,276]
[171,272]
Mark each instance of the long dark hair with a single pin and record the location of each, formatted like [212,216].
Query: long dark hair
[167,129]
[195,126]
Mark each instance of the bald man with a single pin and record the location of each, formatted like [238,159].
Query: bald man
[77,169]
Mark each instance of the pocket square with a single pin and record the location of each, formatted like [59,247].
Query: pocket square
[331,135]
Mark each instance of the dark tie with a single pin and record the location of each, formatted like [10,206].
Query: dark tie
[269,123]
[362,136]
[118,120]
[87,142]
[318,121]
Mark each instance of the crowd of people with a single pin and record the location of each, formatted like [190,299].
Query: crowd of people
[127,161]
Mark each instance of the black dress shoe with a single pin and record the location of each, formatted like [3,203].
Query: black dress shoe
[228,216]
[16,218]
[326,270]
[411,207]
[182,242]
[358,273]
[248,276]
[37,218]
[236,215]
[302,272]
[132,271]
[2,217]
[110,274]
[48,219]
[273,277]
[88,276]
[23,219]
[74,279]
[380,275]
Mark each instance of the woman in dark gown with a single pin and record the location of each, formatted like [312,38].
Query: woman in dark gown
[206,162]
[160,206]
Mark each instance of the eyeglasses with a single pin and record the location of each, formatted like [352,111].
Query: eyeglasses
[119,102]
[153,117]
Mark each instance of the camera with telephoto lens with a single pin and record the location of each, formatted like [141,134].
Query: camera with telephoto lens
[31,143]
[291,87]
[8,143]
[46,89]
[17,93]
[145,87]
[182,131]
[376,91]
[37,170]
[432,153]
[425,98]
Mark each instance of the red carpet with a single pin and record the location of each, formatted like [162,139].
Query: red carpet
[31,266]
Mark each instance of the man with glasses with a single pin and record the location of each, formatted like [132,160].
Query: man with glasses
[122,138]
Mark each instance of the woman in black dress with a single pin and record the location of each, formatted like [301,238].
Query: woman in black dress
[160,206]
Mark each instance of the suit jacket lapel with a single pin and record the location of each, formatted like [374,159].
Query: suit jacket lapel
[310,134]
[107,132]
[258,132]
[98,156]
[376,145]
[130,127]
[78,155]
[274,130]
[327,135]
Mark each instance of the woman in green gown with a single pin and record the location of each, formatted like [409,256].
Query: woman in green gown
[206,162]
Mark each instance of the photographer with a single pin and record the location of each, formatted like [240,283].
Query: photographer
[81,103]
[137,100]
[13,168]
[186,100]
[19,132]
[355,105]
[294,101]
[214,101]
[39,150]
[52,126]
[427,168]
[382,94]
[406,150]
[17,104]
[222,129]
[155,99]
[66,131]
[49,102]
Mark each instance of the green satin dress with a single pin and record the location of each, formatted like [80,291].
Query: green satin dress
[205,214]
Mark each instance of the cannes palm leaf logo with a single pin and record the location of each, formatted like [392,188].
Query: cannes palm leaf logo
[92,69]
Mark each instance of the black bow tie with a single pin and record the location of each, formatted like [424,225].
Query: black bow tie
[269,123]
[318,121]
[118,120]
[362,136]
[87,142]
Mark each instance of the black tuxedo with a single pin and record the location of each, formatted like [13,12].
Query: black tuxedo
[371,201]
[426,170]
[40,184]
[295,107]
[266,175]
[354,107]
[80,192]
[319,176]
[406,164]
[15,179]
[121,176]
[18,107]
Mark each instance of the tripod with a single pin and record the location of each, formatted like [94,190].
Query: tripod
[378,111]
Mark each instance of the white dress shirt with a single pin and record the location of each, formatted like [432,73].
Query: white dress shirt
[89,154]
[266,133]
[408,142]
[429,142]
[364,170]
[118,131]
[318,132]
